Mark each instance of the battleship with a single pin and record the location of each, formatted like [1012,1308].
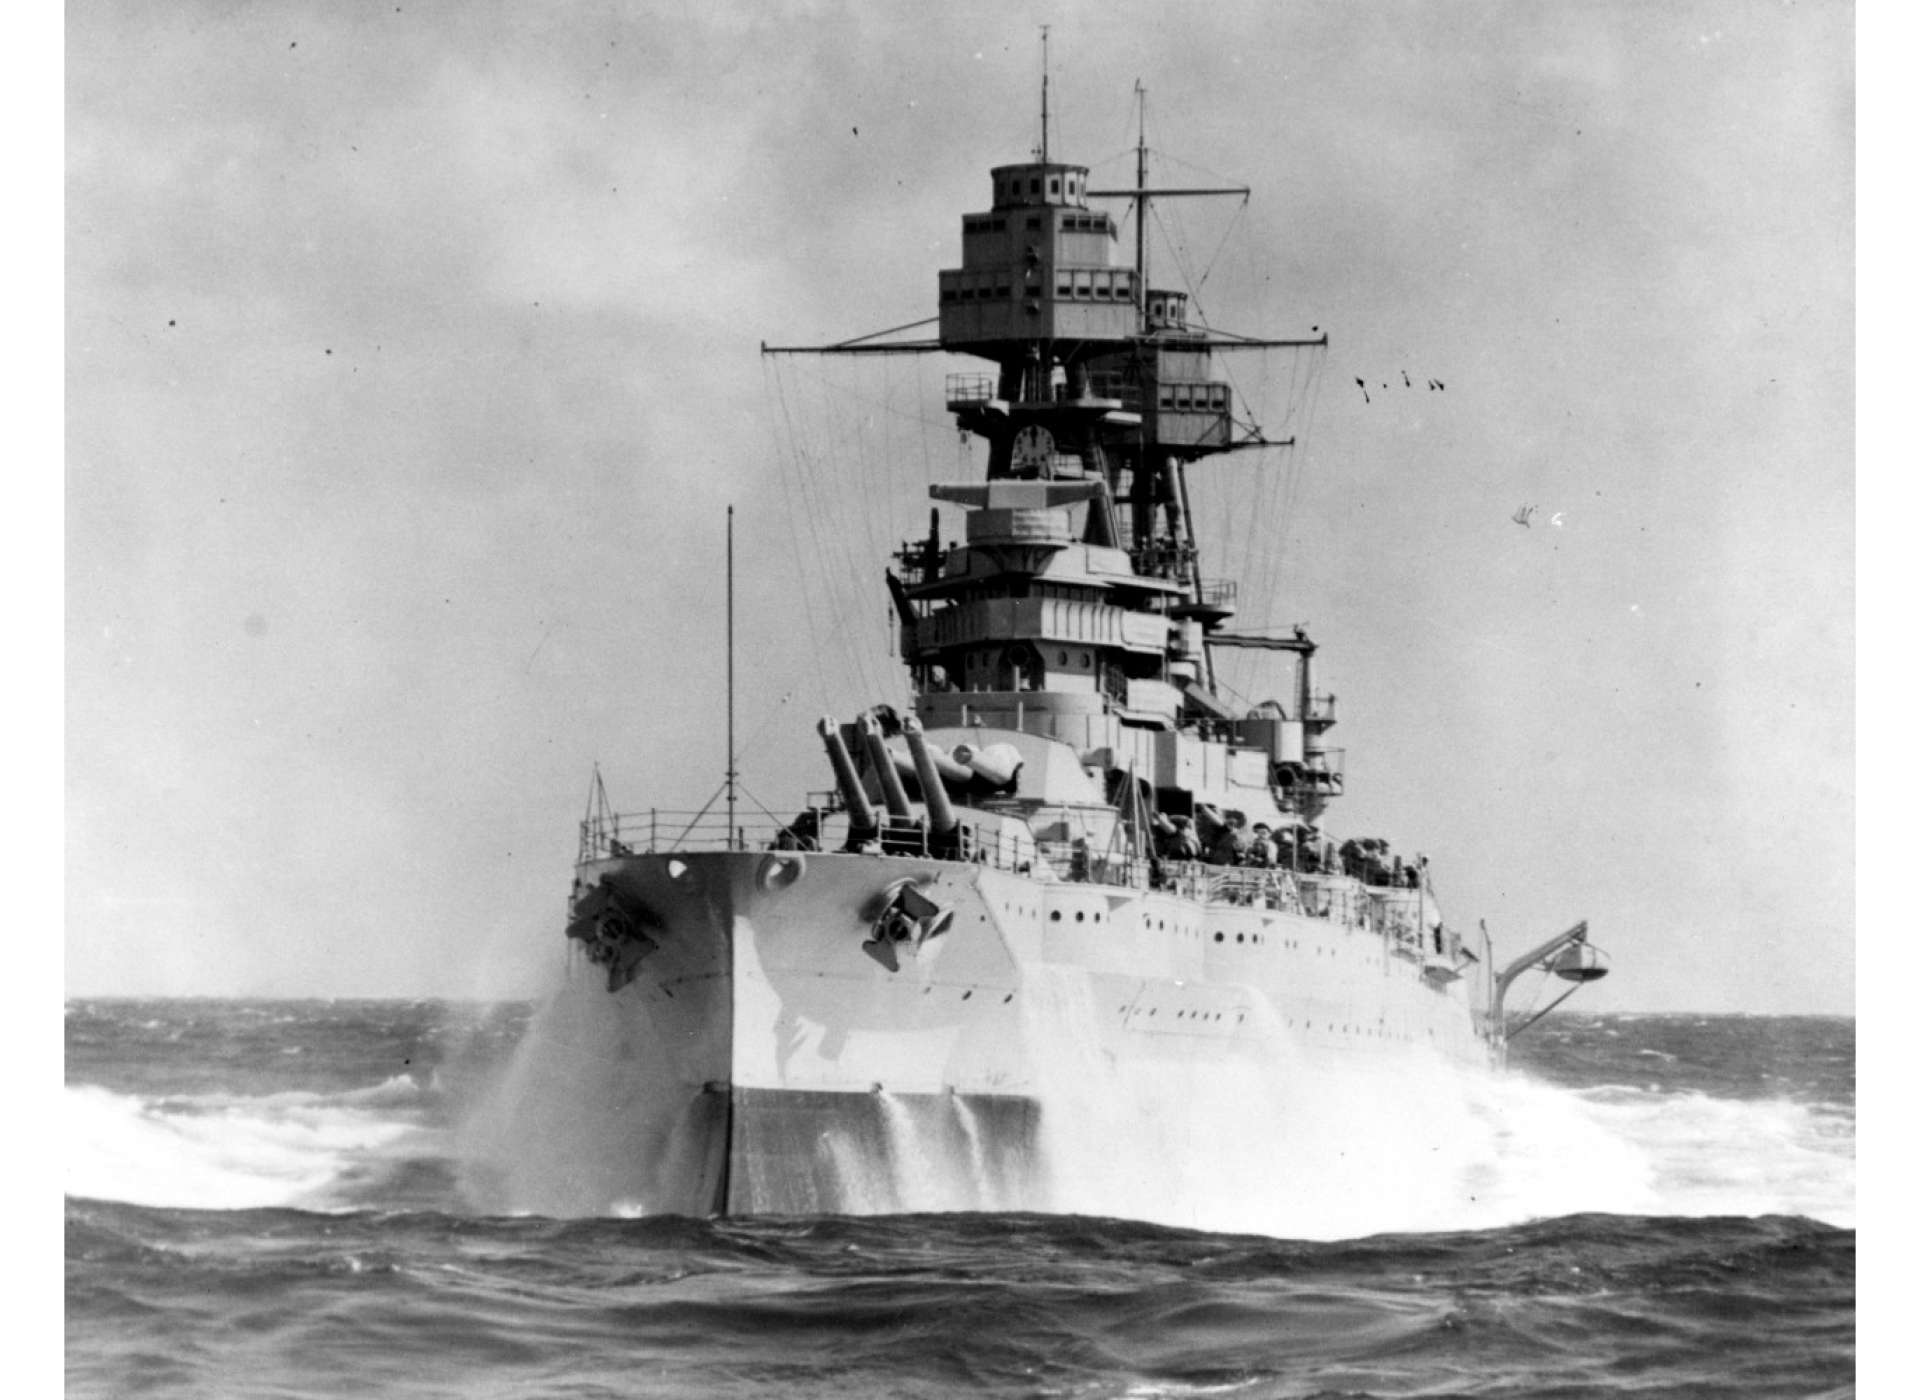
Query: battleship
[1074,867]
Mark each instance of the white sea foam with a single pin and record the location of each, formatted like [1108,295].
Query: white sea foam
[1315,1148]
[588,1113]
[226,1151]
[1712,1156]
[1337,1151]
[1309,1144]
[1322,1145]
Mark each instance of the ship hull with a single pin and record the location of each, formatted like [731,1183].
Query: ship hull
[786,1043]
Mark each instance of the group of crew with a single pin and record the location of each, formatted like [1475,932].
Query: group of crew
[1207,836]
[1226,839]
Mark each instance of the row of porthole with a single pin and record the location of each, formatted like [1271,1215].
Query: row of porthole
[966,995]
[1160,925]
[1362,1030]
[1153,925]
[1178,1015]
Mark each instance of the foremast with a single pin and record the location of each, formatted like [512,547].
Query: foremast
[1079,578]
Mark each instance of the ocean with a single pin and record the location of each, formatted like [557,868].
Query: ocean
[279,1199]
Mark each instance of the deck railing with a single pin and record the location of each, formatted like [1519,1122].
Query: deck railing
[660,831]
[969,388]
[1397,915]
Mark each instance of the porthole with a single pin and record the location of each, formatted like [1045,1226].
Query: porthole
[1219,937]
[1055,916]
[1079,916]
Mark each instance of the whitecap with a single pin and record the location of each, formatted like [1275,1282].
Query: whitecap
[225,1151]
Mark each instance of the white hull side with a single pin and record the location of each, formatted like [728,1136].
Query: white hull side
[851,1087]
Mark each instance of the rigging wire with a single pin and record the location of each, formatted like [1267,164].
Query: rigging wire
[832,565]
[790,447]
[850,464]
[1168,158]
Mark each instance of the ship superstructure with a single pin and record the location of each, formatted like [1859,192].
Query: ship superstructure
[1073,862]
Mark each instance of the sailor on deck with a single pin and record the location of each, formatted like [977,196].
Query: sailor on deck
[1263,851]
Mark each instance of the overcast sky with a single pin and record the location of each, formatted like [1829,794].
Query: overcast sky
[413,358]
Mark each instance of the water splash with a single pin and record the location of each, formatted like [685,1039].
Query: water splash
[1315,1145]
[987,1183]
[593,1110]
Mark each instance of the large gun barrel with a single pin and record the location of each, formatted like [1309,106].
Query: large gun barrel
[957,778]
[996,765]
[859,810]
[891,788]
[940,817]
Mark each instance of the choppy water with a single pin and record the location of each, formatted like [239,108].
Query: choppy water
[265,1199]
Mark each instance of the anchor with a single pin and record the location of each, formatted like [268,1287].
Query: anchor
[611,929]
[908,917]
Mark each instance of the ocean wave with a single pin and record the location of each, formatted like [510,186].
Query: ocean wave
[432,1304]
[233,1151]
[1715,1156]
